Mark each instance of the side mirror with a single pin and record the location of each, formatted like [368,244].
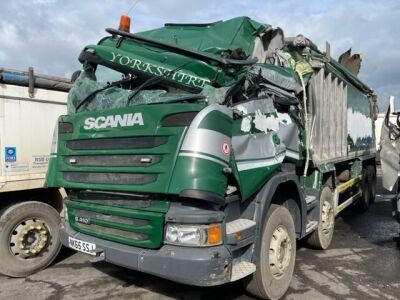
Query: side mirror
[75,75]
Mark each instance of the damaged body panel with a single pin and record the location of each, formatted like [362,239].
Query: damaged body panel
[390,155]
[261,139]
[204,137]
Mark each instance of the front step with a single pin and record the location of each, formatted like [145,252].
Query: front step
[242,269]
[239,225]
[311,202]
[310,199]
[311,225]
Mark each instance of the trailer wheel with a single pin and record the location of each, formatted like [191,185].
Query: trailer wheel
[321,238]
[277,256]
[368,189]
[29,238]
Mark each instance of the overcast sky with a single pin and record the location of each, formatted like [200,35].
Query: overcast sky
[49,34]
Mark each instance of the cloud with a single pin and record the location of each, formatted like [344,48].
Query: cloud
[49,34]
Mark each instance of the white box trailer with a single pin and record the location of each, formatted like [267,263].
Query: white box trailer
[29,213]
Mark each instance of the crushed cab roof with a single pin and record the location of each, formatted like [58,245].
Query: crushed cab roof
[214,38]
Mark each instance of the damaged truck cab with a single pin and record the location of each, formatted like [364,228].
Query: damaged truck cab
[201,152]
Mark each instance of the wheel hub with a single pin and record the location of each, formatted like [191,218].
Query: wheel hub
[280,252]
[29,238]
[327,217]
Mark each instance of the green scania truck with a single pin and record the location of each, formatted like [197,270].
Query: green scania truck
[201,152]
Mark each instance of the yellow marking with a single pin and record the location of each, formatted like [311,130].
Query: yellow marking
[340,208]
[348,184]
[346,203]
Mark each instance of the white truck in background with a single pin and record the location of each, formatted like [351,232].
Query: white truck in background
[29,213]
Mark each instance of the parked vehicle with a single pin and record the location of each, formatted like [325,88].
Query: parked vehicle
[390,153]
[201,152]
[29,213]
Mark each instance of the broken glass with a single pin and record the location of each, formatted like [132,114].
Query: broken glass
[114,96]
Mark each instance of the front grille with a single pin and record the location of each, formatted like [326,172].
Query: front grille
[90,215]
[117,143]
[116,232]
[112,198]
[109,178]
[141,228]
[112,160]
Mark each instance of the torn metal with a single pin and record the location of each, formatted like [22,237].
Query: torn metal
[265,132]
[390,153]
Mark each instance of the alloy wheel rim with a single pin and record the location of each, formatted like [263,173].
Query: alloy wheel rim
[280,252]
[327,217]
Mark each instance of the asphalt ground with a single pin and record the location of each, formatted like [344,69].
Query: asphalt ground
[363,262]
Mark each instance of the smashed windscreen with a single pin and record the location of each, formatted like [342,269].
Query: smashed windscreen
[99,88]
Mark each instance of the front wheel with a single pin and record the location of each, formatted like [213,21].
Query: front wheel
[277,255]
[29,238]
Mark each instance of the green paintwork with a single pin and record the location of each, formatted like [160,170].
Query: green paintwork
[152,117]
[218,122]
[312,180]
[358,105]
[253,179]
[215,38]
[238,33]
[139,57]
[176,173]
[153,229]
[199,174]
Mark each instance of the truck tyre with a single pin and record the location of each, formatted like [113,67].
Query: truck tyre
[277,255]
[321,238]
[372,171]
[29,238]
[368,189]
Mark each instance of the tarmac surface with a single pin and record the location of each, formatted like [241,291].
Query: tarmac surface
[363,262]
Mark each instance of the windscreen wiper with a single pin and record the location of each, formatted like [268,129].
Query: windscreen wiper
[204,56]
[110,84]
[155,80]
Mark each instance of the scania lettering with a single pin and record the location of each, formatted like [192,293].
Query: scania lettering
[246,142]
[125,120]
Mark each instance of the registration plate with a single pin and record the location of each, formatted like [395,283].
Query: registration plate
[85,247]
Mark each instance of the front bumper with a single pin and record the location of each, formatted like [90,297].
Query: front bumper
[396,208]
[195,266]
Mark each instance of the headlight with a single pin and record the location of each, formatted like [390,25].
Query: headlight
[193,235]
[54,142]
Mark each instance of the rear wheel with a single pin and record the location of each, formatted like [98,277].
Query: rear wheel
[29,238]
[368,189]
[321,238]
[277,255]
